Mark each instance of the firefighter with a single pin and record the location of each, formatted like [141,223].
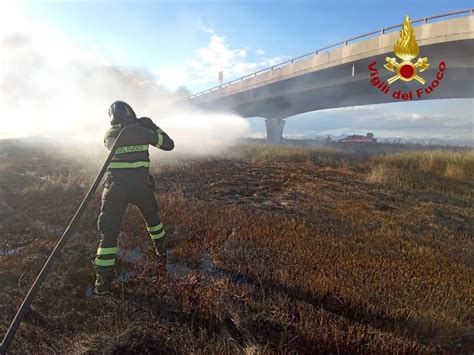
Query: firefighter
[128,181]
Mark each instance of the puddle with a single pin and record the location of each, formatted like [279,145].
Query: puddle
[208,269]
[130,255]
[47,228]
[206,266]
[31,174]
[35,175]
[126,275]
[11,251]
[88,292]
[178,270]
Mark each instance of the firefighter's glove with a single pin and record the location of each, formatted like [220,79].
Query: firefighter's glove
[148,123]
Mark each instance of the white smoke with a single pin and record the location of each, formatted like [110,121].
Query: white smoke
[49,87]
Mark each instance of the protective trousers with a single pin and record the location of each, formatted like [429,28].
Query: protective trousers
[118,193]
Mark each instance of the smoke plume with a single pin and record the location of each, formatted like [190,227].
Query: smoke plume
[63,93]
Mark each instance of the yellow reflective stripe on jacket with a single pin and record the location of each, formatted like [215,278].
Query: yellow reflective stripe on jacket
[155,228]
[102,262]
[125,165]
[132,149]
[159,132]
[107,251]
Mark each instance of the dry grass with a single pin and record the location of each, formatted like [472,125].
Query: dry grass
[274,250]
[440,163]
[256,153]
[419,169]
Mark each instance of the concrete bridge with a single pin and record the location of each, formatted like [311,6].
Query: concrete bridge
[340,75]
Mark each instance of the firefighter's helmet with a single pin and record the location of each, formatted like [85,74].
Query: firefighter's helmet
[121,112]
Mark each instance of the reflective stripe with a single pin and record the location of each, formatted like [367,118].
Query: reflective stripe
[107,251]
[132,149]
[125,165]
[101,262]
[155,228]
[160,138]
[158,236]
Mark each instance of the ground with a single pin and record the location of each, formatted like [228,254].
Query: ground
[271,250]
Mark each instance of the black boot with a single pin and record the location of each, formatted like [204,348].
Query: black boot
[103,280]
[160,248]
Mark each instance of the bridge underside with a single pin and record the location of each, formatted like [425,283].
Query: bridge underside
[336,87]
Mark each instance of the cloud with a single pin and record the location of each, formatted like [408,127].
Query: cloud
[389,120]
[203,68]
[417,116]
[203,27]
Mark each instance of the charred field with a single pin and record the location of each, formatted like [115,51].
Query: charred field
[271,250]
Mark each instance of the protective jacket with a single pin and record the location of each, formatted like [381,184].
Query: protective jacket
[133,150]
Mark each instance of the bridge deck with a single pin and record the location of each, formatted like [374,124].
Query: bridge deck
[426,34]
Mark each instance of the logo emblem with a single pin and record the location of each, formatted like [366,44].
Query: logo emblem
[406,48]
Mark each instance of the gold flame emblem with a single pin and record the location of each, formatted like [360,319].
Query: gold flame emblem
[406,49]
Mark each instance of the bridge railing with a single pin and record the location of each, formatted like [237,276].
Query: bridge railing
[384,30]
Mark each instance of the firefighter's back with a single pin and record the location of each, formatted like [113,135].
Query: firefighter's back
[131,160]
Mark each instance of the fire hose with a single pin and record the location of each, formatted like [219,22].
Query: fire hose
[55,253]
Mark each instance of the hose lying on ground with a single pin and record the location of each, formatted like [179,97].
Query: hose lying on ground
[55,253]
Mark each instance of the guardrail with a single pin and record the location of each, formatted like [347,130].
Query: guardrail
[384,30]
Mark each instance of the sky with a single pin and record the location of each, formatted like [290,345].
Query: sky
[186,43]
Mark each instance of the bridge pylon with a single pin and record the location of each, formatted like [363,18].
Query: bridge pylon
[275,130]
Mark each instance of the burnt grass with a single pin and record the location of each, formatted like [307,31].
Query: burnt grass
[266,255]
